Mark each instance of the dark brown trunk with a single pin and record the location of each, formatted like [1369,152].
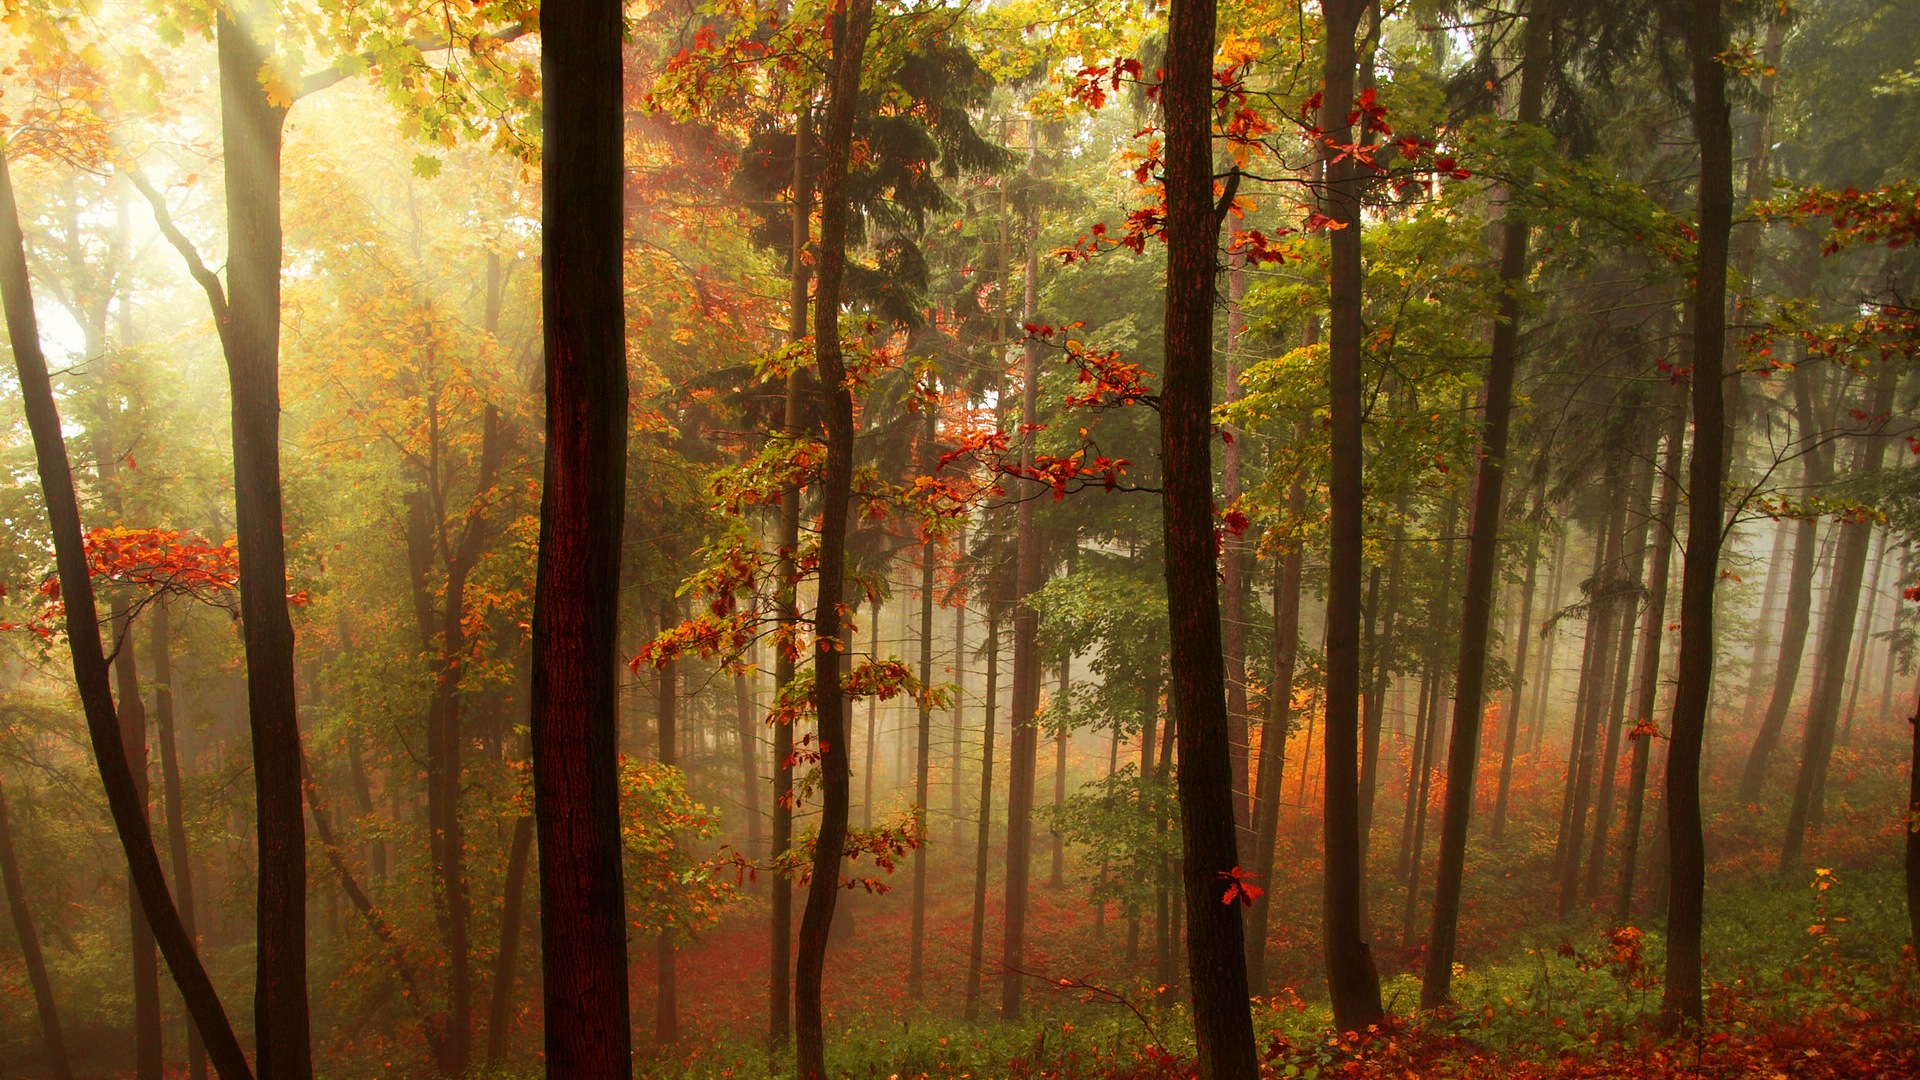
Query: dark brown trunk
[89,660]
[1352,980]
[36,963]
[849,37]
[780,965]
[1816,463]
[1647,681]
[576,609]
[1706,40]
[1836,640]
[1483,547]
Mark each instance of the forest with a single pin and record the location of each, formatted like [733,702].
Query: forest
[960,539]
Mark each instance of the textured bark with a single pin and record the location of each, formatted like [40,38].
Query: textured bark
[1483,547]
[1208,781]
[90,668]
[1816,465]
[1836,641]
[849,36]
[1646,693]
[576,610]
[1023,752]
[251,128]
[36,963]
[1352,980]
[161,633]
[1686,854]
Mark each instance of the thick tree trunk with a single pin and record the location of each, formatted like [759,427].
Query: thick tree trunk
[1352,980]
[1836,640]
[977,941]
[23,931]
[1816,464]
[1024,749]
[849,36]
[1210,786]
[1647,681]
[161,633]
[1706,40]
[576,612]
[251,131]
[89,659]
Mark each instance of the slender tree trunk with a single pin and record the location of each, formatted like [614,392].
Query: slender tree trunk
[666,723]
[1647,682]
[923,763]
[161,633]
[1865,635]
[1378,655]
[36,962]
[1816,464]
[955,756]
[849,37]
[1769,611]
[576,612]
[1234,562]
[1607,608]
[1913,838]
[89,659]
[1836,640]
[1537,712]
[780,965]
[513,899]
[1516,694]
[746,733]
[1056,876]
[1352,981]
[976,943]
[871,761]
[1273,735]
[1639,514]
[1706,40]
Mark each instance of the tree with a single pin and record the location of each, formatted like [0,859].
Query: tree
[582,508]
[1352,981]
[1686,855]
[849,44]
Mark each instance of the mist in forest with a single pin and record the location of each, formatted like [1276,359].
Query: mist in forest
[1215,540]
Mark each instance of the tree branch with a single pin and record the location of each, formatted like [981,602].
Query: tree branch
[329,76]
[209,281]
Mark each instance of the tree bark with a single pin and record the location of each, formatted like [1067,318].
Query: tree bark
[1273,734]
[513,899]
[89,659]
[1516,693]
[956,753]
[1234,561]
[36,962]
[849,41]
[576,615]
[161,633]
[923,747]
[1640,513]
[1686,854]
[666,722]
[976,942]
[1604,610]
[1352,981]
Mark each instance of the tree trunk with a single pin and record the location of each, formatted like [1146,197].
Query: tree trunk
[36,962]
[1640,515]
[1378,655]
[780,964]
[666,720]
[1865,635]
[923,748]
[576,611]
[89,659]
[1234,561]
[870,764]
[1836,639]
[1273,734]
[1913,840]
[513,899]
[161,633]
[1537,712]
[1605,608]
[1056,876]
[1816,464]
[1516,693]
[1352,981]
[955,755]
[1706,40]
[849,37]
[746,733]
[1647,684]
[1024,749]
[976,943]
